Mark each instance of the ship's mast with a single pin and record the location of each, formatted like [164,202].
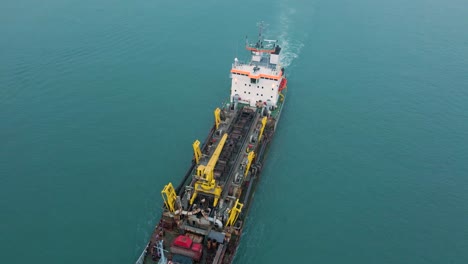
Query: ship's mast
[260,30]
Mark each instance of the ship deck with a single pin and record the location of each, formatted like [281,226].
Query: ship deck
[240,125]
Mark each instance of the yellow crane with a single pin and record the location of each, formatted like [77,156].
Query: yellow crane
[197,151]
[217,117]
[169,196]
[264,121]
[234,213]
[250,157]
[206,182]
[196,145]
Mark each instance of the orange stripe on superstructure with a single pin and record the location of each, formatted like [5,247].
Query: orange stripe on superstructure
[257,76]
[260,50]
[240,72]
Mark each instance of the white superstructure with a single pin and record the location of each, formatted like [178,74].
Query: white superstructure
[260,81]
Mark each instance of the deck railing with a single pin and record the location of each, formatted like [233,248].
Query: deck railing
[141,259]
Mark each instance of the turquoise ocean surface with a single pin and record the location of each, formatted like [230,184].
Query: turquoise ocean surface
[101,100]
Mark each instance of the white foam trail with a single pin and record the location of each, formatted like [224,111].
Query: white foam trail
[291,48]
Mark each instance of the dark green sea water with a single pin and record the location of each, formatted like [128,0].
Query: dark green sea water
[100,102]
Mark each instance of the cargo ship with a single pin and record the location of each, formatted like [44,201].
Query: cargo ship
[204,214]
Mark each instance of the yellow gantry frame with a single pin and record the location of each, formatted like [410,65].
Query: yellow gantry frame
[197,151]
[217,117]
[234,213]
[249,158]
[169,196]
[207,183]
[264,121]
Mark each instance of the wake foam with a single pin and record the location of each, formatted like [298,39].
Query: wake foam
[291,48]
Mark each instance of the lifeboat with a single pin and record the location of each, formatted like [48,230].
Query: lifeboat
[283,84]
